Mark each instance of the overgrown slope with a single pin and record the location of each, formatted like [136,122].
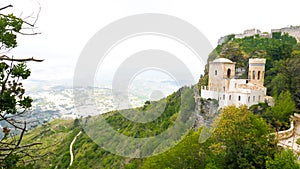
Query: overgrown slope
[241,139]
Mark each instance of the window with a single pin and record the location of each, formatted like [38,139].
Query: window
[229,97]
[235,85]
[223,88]
[249,75]
[223,96]
[228,73]
[239,98]
[249,99]
[253,98]
[216,72]
[253,75]
[258,98]
[258,75]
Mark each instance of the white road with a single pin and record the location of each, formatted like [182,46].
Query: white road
[71,148]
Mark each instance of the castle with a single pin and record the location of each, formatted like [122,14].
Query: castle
[224,87]
[291,30]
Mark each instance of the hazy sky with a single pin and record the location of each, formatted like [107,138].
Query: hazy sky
[67,25]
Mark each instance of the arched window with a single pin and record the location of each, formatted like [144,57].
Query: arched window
[239,98]
[216,72]
[229,97]
[253,75]
[249,99]
[253,98]
[249,74]
[228,73]
[258,75]
[223,96]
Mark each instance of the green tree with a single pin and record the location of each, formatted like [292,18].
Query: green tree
[13,102]
[284,107]
[292,72]
[241,139]
[186,154]
[283,160]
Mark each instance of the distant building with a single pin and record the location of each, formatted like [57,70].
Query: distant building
[223,86]
[246,33]
[292,31]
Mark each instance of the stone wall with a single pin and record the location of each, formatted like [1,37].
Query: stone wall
[293,130]
[292,31]
[286,133]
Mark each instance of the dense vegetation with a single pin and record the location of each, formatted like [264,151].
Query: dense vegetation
[241,140]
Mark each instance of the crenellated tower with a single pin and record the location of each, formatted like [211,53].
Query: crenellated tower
[256,72]
[221,71]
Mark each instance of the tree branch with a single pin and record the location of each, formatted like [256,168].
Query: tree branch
[11,123]
[4,57]
[35,33]
[8,6]
[18,143]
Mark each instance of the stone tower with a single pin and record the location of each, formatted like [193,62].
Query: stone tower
[256,72]
[220,72]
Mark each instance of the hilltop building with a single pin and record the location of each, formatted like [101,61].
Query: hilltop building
[246,33]
[291,30]
[224,87]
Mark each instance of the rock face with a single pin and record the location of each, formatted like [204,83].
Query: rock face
[206,111]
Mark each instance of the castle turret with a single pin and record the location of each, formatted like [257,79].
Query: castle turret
[256,72]
[220,72]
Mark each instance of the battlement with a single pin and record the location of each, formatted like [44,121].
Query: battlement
[257,61]
[292,31]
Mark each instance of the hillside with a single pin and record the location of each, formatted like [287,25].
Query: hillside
[58,135]
[240,137]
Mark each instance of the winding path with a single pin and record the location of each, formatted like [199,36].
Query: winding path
[71,148]
[288,138]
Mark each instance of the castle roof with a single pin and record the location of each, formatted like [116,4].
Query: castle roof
[251,86]
[222,60]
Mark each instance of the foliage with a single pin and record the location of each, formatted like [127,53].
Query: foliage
[130,128]
[283,160]
[298,141]
[279,114]
[13,102]
[90,155]
[260,109]
[186,154]
[241,140]
[9,26]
